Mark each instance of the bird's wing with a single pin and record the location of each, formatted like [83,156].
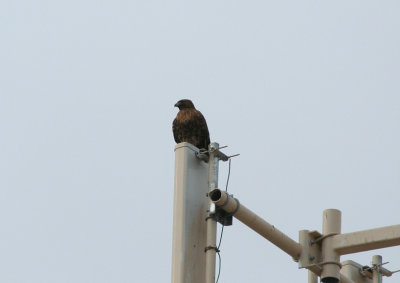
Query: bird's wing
[175,130]
[203,135]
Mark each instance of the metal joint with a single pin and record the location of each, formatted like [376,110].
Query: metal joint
[211,248]
[320,264]
[225,202]
[202,155]
[225,217]
[316,241]
[237,207]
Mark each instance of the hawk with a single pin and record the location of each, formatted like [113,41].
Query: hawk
[190,125]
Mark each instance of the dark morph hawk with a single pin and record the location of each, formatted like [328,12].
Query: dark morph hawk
[190,125]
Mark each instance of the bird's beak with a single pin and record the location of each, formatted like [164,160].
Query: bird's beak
[177,104]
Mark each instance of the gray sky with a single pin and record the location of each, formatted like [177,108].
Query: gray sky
[306,91]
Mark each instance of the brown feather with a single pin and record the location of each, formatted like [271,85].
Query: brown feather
[190,125]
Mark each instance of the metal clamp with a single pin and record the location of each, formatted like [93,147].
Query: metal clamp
[237,207]
[316,241]
[319,264]
[211,248]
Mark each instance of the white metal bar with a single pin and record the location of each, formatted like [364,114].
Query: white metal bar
[376,269]
[331,225]
[211,222]
[367,240]
[262,227]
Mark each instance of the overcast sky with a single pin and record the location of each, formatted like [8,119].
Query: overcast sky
[308,92]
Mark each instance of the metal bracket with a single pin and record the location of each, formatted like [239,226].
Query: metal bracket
[223,217]
[310,257]
[211,248]
[204,154]
[319,239]
[368,270]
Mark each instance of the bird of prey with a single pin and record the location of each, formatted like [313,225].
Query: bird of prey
[190,125]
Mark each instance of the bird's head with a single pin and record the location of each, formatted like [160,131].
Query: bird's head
[184,104]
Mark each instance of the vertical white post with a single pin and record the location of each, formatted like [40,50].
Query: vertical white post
[376,269]
[211,247]
[331,225]
[190,207]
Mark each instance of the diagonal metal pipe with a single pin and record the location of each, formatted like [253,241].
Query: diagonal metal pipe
[253,221]
[262,227]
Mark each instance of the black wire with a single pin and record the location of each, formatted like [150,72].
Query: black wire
[219,267]
[229,174]
[222,229]
[226,190]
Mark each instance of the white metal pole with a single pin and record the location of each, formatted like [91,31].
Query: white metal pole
[211,243]
[190,206]
[376,269]
[366,240]
[210,250]
[331,225]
